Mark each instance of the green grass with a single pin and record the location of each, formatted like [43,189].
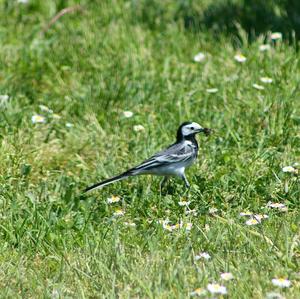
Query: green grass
[89,68]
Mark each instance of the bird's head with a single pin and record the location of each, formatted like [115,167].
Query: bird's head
[189,129]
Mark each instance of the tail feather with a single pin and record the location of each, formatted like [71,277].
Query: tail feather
[109,181]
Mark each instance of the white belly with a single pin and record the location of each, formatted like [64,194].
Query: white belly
[175,169]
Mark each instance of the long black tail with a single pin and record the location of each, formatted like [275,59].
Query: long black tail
[116,178]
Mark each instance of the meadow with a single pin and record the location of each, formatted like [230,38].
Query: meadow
[66,92]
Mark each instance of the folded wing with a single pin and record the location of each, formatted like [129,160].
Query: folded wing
[176,153]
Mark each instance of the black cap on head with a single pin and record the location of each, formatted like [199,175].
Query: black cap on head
[179,131]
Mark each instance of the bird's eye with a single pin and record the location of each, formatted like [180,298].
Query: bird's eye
[192,128]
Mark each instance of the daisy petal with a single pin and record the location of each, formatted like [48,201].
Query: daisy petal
[281,282]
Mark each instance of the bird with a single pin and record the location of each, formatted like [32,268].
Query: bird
[171,161]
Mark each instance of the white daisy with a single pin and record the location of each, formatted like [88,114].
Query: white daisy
[276,35]
[260,217]
[289,169]
[202,255]
[169,227]
[38,119]
[22,1]
[266,80]
[246,213]
[215,288]
[240,58]
[258,87]
[252,221]
[264,48]
[281,282]
[276,205]
[69,125]
[199,57]
[127,114]
[113,199]
[198,292]
[212,90]
[184,203]
[226,276]
[119,212]
[138,128]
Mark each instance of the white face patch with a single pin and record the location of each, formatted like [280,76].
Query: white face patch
[190,129]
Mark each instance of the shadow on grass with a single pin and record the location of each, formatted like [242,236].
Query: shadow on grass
[254,16]
[222,16]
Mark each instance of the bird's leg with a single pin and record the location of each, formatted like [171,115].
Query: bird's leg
[187,184]
[162,183]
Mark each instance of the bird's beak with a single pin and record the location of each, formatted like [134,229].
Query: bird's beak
[206,131]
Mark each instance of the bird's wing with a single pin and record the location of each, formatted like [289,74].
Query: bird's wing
[175,153]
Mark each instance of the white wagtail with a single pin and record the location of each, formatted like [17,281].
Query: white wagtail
[169,162]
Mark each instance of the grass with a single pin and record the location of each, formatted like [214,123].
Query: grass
[89,67]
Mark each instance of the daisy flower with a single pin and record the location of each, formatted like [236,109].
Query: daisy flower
[22,1]
[38,119]
[127,114]
[113,199]
[281,282]
[184,203]
[276,35]
[266,80]
[138,128]
[199,57]
[260,217]
[264,48]
[257,86]
[198,292]
[289,169]
[69,125]
[252,221]
[240,58]
[119,212]
[226,276]
[169,227]
[212,90]
[215,288]
[202,255]
[276,205]
[246,213]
